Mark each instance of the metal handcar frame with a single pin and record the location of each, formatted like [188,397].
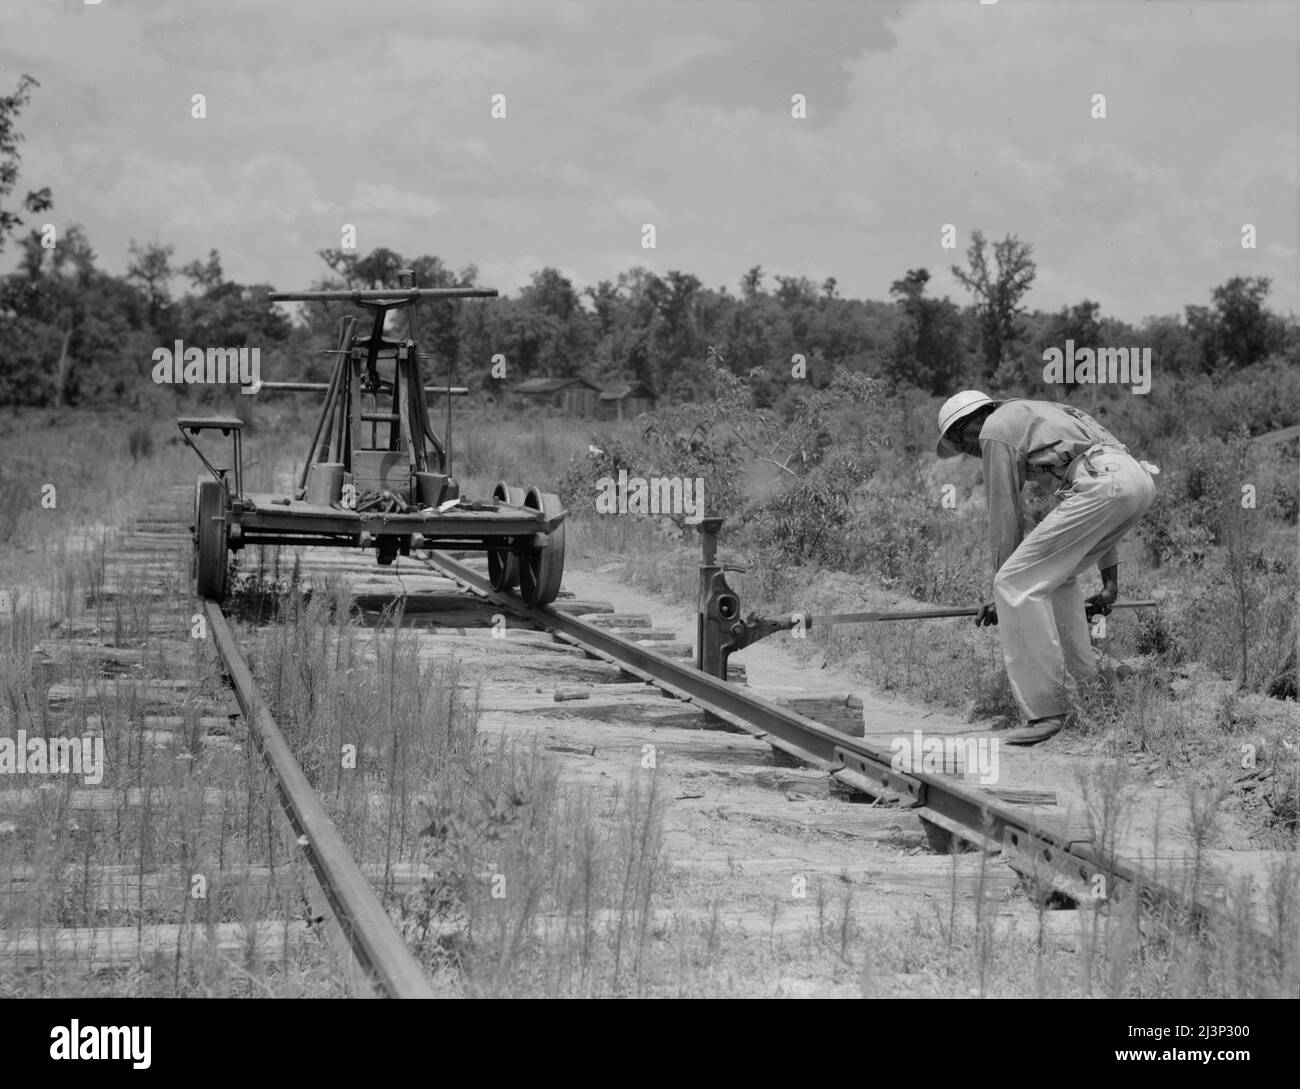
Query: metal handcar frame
[376,475]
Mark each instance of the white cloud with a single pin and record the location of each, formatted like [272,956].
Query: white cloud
[628,113]
[635,206]
[388,201]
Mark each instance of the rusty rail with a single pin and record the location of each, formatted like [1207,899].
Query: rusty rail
[370,934]
[1044,852]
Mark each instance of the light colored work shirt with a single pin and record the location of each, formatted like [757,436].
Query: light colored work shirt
[1031,440]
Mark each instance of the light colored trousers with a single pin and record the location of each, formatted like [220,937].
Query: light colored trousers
[1041,617]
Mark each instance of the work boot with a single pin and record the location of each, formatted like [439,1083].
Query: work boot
[1039,729]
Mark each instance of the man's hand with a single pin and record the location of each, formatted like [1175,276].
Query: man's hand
[987,615]
[1100,602]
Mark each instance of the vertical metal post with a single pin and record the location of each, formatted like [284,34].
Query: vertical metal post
[325,423]
[451,362]
[718,605]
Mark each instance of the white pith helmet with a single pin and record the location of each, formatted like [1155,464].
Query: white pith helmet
[957,408]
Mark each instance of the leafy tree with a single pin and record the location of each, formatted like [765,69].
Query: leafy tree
[674,343]
[75,332]
[151,267]
[798,297]
[36,200]
[205,276]
[1236,330]
[926,349]
[1080,323]
[377,269]
[997,296]
[759,342]
[846,332]
[551,327]
[1173,348]
[606,300]
[222,313]
[439,326]
[651,326]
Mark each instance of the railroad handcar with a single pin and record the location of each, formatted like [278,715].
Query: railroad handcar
[377,475]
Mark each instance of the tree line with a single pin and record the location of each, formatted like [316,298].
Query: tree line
[73,333]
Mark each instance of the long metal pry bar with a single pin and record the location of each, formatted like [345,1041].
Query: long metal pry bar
[721,630]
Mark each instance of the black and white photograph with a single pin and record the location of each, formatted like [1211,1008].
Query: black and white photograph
[649,499]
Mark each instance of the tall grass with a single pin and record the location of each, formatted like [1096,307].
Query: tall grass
[183,828]
[525,887]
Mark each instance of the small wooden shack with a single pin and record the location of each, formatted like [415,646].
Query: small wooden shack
[627,401]
[573,396]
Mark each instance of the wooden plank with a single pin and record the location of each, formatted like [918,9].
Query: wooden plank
[575,607]
[212,725]
[619,620]
[139,693]
[840,711]
[647,712]
[709,747]
[125,888]
[97,948]
[827,819]
[448,604]
[513,640]
[114,592]
[88,800]
[1022,795]
[155,621]
[72,652]
[576,668]
[677,651]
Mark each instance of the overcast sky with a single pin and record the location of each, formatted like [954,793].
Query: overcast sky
[677,113]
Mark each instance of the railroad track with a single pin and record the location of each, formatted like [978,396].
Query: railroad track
[1058,852]
[152,864]
[612,664]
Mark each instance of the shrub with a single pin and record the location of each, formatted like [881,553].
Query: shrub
[895,537]
[139,442]
[803,523]
[657,452]
[1196,499]
[1286,499]
[1153,636]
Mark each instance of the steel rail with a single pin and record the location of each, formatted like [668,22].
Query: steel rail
[365,924]
[1043,853]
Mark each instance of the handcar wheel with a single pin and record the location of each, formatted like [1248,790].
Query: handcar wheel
[542,568]
[211,534]
[503,565]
